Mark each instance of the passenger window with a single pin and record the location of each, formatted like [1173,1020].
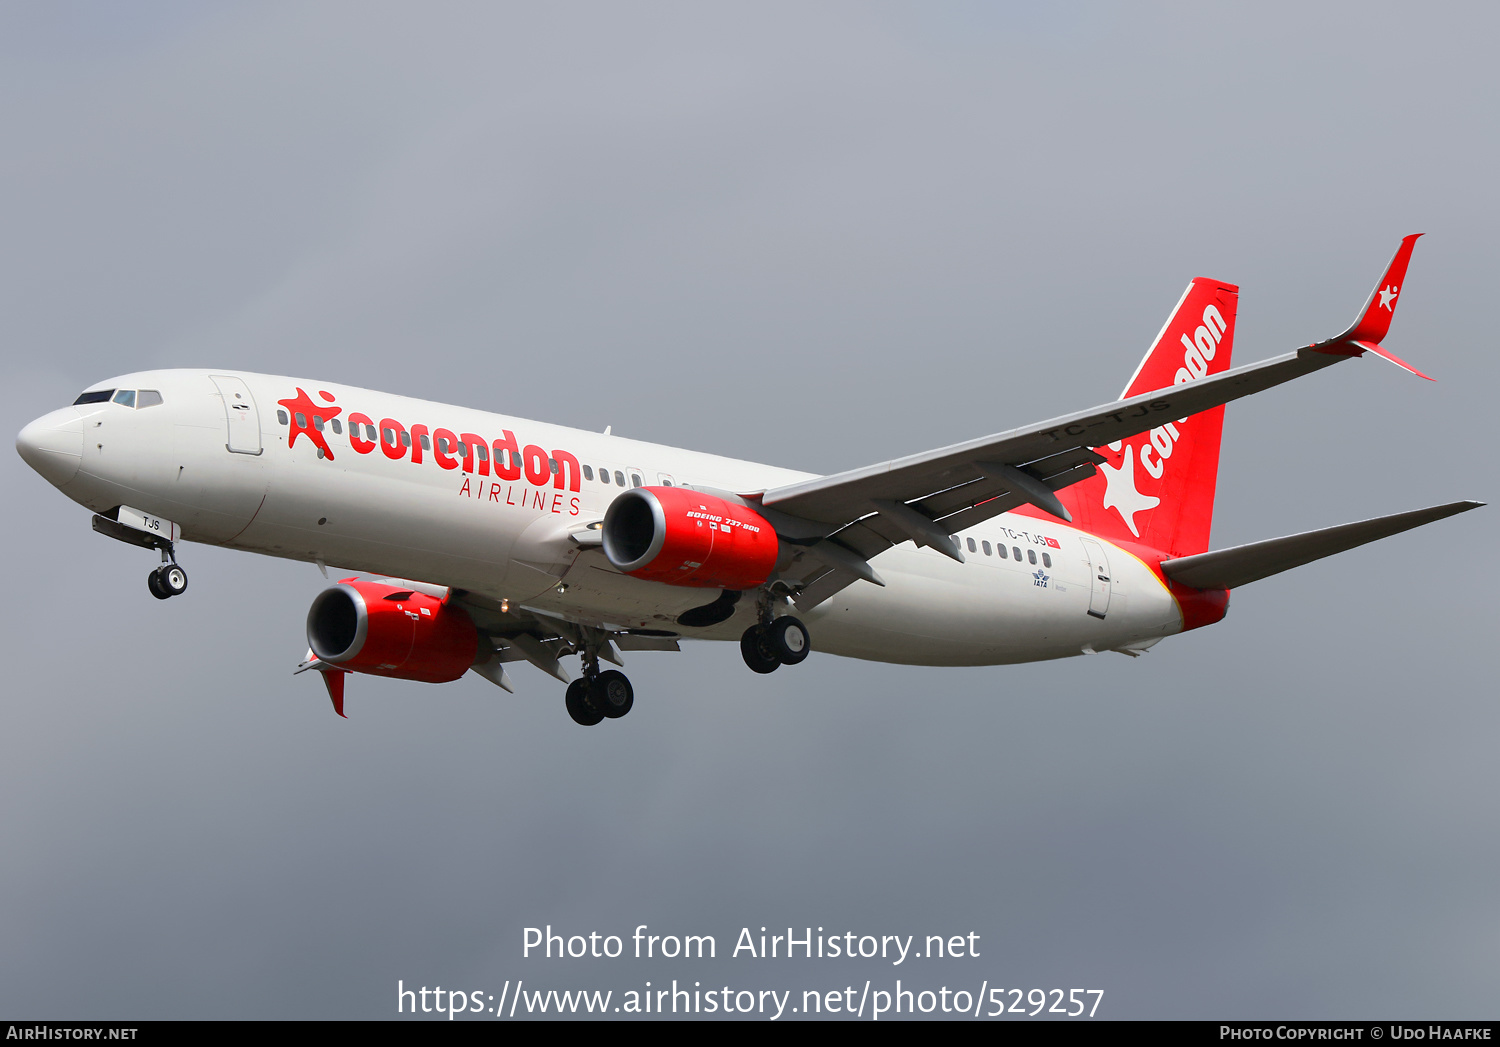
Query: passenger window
[281,417]
[318,422]
[552,462]
[619,478]
[147,398]
[338,426]
[426,443]
[986,548]
[1031,555]
[98,396]
[1046,560]
[588,472]
[442,445]
[125,398]
[484,453]
[388,436]
[635,480]
[301,420]
[972,547]
[1017,550]
[1000,551]
[406,441]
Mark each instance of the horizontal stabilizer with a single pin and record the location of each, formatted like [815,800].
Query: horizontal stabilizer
[1243,564]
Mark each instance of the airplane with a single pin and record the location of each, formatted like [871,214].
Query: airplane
[493,539]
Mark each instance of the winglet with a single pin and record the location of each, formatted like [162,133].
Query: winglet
[1393,358]
[1375,319]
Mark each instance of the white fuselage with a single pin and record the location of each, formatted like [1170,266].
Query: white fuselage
[217,458]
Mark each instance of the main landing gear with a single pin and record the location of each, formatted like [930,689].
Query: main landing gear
[769,645]
[599,695]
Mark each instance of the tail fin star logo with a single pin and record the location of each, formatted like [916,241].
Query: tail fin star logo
[1120,493]
[1388,295]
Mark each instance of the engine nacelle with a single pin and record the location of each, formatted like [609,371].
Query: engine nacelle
[385,630]
[684,537]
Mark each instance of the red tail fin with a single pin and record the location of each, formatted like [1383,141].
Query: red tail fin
[1158,488]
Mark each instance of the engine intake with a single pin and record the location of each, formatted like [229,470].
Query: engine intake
[684,537]
[384,630]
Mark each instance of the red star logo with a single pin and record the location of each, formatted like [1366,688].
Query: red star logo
[301,410]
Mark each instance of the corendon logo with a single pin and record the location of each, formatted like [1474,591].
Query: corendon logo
[308,418]
[1200,349]
[1120,492]
[506,458]
[1150,450]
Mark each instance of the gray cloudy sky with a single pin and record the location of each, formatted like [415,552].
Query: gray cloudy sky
[812,235]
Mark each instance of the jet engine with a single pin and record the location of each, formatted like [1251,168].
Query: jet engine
[385,630]
[685,537]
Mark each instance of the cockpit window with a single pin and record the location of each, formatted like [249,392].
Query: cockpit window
[125,398]
[98,396]
[147,398]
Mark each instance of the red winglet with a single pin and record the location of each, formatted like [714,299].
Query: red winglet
[1393,358]
[334,680]
[1375,319]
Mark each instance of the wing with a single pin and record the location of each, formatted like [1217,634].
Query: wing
[515,633]
[526,634]
[843,519]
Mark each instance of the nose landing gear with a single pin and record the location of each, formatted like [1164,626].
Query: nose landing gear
[167,581]
[134,527]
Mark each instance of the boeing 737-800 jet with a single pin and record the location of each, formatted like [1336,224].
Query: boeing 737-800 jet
[495,540]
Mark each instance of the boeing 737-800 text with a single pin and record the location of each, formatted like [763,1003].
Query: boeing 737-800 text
[494,539]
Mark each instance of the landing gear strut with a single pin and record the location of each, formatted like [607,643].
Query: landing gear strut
[599,695]
[783,641]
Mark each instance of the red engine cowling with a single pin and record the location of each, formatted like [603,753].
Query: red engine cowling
[684,537]
[370,627]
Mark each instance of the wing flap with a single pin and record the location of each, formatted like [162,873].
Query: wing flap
[1243,564]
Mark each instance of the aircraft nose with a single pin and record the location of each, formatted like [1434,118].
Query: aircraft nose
[53,445]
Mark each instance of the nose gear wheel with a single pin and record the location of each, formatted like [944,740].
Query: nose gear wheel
[167,581]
